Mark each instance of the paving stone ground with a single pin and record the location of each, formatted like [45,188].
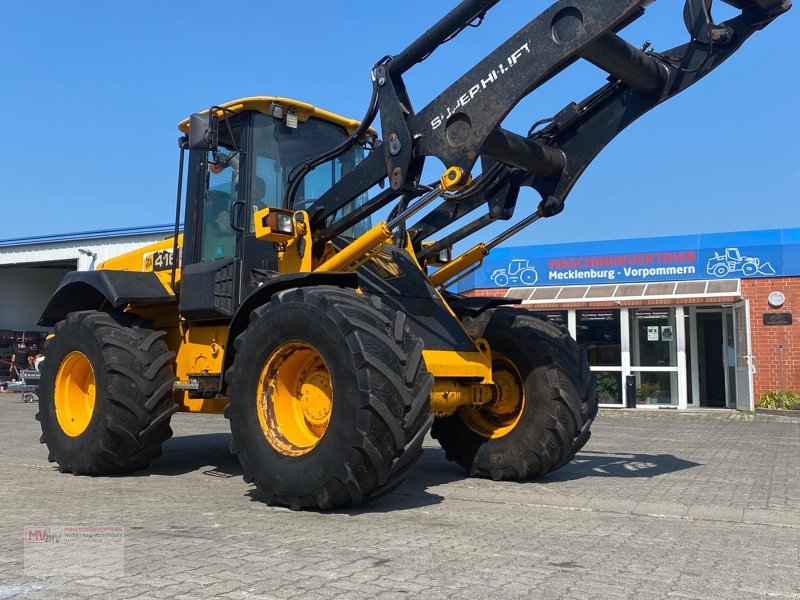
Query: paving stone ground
[658,505]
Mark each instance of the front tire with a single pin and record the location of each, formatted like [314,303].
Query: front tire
[545,406]
[105,393]
[329,398]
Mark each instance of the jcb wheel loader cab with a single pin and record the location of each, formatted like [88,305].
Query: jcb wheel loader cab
[329,398]
[543,406]
[105,393]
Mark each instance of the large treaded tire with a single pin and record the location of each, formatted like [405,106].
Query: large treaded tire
[560,400]
[380,410]
[133,375]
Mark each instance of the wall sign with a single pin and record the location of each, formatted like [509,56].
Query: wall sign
[735,255]
[777,318]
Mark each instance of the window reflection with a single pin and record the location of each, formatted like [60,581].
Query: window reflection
[278,150]
[657,388]
[559,317]
[598,331]
[218,237]
[609,387]
[653,337]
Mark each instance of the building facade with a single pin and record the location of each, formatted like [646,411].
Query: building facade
[680,322]
[32,268]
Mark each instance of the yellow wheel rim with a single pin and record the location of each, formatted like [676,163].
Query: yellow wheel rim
[295,398]
[75,394]
[501,415]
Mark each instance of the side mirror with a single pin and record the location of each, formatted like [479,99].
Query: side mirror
[203,131]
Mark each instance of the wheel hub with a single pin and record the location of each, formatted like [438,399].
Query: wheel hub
[315,398]
[294,398]
[75,391]
[498,417]
[507,394]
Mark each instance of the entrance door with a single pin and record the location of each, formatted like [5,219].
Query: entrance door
[710,358]
[745,366]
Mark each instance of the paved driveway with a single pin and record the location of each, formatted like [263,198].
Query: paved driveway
[657,505]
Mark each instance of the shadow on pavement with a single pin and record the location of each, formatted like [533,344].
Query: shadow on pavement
[189,453]
[433,469]
[604,464]
[412,493]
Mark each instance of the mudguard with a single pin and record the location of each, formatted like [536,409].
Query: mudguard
[87,290]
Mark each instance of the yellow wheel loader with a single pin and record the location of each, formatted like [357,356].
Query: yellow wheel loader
[330,342]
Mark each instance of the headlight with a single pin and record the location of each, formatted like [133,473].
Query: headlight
[282,223]
[274,225]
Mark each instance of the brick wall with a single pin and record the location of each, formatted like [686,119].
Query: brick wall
[491,293]
[767,340]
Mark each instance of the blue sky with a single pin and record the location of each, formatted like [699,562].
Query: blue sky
[93,93]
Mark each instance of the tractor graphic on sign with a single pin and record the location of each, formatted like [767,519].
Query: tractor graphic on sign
[732,261]
[517,272]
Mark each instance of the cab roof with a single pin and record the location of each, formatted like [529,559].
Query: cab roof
[264,105]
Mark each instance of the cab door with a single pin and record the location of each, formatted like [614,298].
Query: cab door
[262,186]
[214,231]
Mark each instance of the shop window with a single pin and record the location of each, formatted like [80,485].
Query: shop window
[598,331]
[559,317]
[658,388]
[609,387]
[653,337]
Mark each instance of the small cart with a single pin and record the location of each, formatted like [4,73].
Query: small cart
[26,383]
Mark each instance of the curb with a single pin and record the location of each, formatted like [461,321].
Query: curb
[778,412]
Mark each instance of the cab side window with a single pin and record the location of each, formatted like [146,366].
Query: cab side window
[218,237]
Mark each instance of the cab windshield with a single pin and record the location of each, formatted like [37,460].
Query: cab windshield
[277,149]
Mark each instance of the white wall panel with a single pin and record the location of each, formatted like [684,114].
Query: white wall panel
[26,288]
[24,292]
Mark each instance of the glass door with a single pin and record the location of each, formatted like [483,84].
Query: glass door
[745,364]
[729,335]
[654,356]
[599,332]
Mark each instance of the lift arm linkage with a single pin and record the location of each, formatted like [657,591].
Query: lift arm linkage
[462,124]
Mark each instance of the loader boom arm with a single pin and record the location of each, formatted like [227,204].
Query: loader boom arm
[462,123]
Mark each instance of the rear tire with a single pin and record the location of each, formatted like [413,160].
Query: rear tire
[560,401]
[357,438]
[124,370]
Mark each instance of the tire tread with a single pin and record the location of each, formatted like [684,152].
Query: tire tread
[131,420]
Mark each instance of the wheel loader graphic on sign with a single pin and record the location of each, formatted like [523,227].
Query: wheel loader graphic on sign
[732,261]
[517,272]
